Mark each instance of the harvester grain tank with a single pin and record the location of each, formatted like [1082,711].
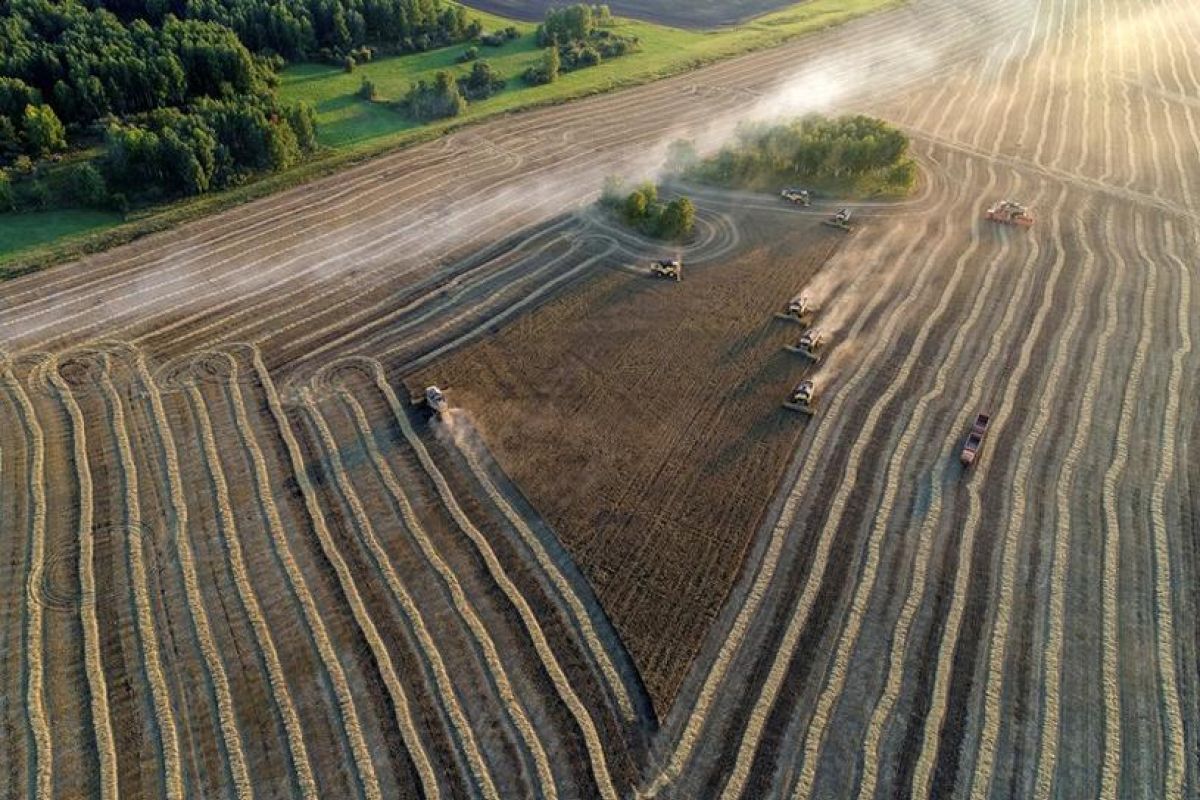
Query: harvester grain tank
[1009,213]
[436,400]
[810,345]
[974,440]
[840,219]
[667,268]
[798,197]
[803,398]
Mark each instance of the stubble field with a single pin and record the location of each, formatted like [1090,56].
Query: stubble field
[236,563]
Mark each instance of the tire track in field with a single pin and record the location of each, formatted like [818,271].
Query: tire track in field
[231,537]
[424,644]
[351,726]
[97,686]
[35,698]
[513,707]
[562,686]
[164,718]
[802,608]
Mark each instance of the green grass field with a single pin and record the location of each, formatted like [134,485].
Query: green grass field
[23,232]
[348,122]
[353,129]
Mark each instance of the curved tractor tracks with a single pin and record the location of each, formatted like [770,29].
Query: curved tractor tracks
[241,564]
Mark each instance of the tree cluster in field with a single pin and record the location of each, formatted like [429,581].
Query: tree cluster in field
[813,147]
[641,209]
[446,96]
[576,37]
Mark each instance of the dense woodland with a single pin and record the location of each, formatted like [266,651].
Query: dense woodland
[179,93]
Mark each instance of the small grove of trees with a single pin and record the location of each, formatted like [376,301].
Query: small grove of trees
[546,70]
[481,82]
[813,147]
[642,209]
[572,23]
[447,97]
[440,99]
[578,35]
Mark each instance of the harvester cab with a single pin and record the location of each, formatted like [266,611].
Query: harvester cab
[667,268]
[803,398]
[840,219]
[799,197]
[810,345]
[436,400]
[1009,213]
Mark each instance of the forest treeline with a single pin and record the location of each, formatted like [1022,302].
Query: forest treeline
[180,93]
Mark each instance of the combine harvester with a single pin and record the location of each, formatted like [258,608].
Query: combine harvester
[803,398]
[840,220]
[974,440]
[667,268]
[809,346]
[798,310]
[1007,212]
[436,400]
[797,197]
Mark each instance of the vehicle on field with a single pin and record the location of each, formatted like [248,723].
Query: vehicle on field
[1009,213]
[810,345]
[840,219]
[803,398]
[798,309]
[799,197]
[974,440]
[436,400]
[667,268]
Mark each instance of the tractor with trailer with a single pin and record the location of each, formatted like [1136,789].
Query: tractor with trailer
[840,220]
[974,440]
[667,268]
[803,398]
[1007,212]
[797,197]
[436,400]
[798,309]
[810,345]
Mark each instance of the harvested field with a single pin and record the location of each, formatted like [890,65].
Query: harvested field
[236,563]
